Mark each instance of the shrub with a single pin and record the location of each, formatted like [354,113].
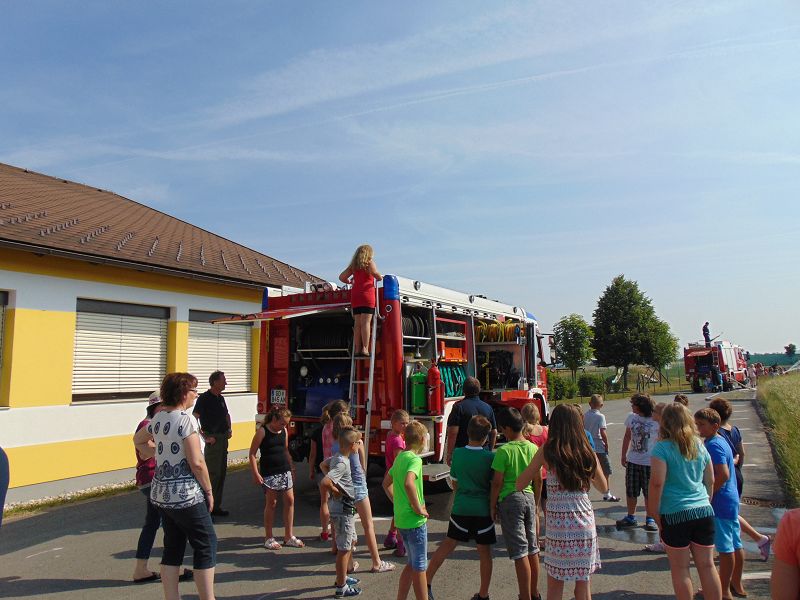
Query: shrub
[570,389]
[555,386]
[591,383]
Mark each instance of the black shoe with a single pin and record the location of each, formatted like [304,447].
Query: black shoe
[220,512]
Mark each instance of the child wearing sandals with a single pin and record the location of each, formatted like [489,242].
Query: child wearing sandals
[274,472]
[338,481]
[571,550]
[395,444]
[732,435]
[357,458]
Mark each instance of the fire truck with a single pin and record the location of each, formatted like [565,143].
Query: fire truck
[426,340]
[722,361]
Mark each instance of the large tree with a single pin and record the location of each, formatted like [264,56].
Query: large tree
[622,323]
[791,349]
[660,347]
[573,338]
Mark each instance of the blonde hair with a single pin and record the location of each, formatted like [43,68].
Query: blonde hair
[596,400]
[347,437]
[530,412]
[331,409]
[678,425]
[340,423]
[362,257]
[398,415]
[415,435]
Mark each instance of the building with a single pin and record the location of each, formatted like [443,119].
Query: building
[100,296]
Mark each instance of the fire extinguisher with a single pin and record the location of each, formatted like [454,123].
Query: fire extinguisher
[435,398]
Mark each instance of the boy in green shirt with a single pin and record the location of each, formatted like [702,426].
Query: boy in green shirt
[516,510]
[403,485]
[471,472]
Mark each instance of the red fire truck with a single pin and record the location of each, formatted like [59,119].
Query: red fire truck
[428,339]
[722,362]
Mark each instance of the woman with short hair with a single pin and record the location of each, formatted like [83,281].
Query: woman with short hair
[181,488]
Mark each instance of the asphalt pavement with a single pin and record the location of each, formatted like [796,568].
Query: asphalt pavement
[86,550]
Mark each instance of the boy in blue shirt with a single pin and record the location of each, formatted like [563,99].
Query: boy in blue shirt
[725,501]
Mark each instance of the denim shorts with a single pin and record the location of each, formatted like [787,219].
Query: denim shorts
[727,535]
[416,541]
[192,524]
[361,492]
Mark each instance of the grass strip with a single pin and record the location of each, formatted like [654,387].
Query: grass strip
[30,507]
[779,398]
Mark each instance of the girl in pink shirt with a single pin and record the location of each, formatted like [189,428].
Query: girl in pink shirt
[395,444]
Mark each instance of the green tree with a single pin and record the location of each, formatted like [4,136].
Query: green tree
[622,322]
[573,339]
[791,350]
[660,347]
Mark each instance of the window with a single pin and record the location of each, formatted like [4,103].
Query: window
[225,348]
[120,349]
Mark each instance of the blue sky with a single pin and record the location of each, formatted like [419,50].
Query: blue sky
[530,151]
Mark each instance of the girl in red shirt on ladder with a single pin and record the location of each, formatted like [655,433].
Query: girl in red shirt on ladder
[362,274]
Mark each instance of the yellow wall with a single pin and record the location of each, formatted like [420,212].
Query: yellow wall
[177,346]
[27,262]
[30,465]
[38,358]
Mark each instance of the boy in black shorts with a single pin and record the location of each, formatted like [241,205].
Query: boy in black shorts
[471,472]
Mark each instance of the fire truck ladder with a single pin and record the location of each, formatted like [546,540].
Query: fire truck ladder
[360,401]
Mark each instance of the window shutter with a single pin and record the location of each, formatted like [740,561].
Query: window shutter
[118,354]
[223,348]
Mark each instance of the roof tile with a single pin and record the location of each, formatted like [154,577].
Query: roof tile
[52,213]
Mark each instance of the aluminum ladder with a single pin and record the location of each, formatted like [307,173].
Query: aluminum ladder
[360,401]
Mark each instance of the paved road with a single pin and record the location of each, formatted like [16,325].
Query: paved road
[86,550]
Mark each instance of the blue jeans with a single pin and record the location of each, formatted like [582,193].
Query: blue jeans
[192,524]
[152,521]
[416,541]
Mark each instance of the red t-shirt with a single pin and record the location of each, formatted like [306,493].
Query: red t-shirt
[363,292]
[538,441]
[787,539]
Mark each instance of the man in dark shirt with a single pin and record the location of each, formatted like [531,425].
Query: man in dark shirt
[462,412]
[215,427]
[706,335]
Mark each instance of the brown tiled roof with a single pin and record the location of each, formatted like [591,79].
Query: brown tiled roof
[38,211]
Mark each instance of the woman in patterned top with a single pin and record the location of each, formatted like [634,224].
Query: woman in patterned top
[181,488]
[571,549]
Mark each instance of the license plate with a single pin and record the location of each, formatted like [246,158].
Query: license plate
[278,397]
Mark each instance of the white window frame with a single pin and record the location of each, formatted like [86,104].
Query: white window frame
[120,350]
[227,348]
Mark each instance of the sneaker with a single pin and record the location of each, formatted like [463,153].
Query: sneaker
[479,597]
[349,581]
[347,591]
[763,547]
[610,498]
[390,541]
[650,524]
[628,521]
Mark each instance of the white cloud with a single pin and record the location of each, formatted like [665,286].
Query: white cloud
[516,32]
